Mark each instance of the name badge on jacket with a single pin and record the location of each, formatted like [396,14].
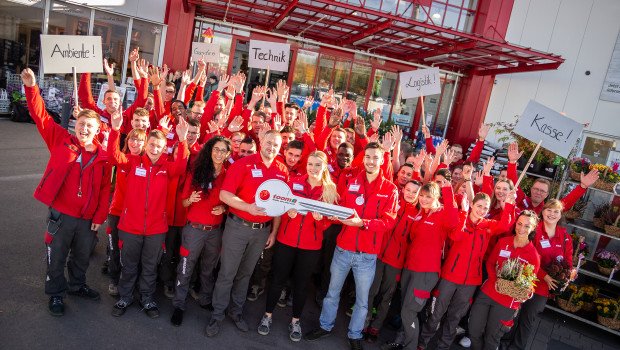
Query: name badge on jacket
[257,173]
[141,172]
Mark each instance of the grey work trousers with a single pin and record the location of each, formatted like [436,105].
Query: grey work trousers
[527,316]
[71,238]
[197,243]
[488,321]
[383,287]
[144,251]
[241,248]
[416,289]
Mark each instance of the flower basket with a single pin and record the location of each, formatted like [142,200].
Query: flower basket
[606,271]
[599,222]
[611,323]
[613,230]
[588,307]
[572,214]
[568,305]
[511,289]
[605,186]
[573,174]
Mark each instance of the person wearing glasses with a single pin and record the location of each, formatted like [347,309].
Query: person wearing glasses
[235,141]
[197,110]
[202,234]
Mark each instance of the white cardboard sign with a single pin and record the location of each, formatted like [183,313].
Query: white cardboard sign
[210,52]
[267,54]
[557,132]
[276,198]
[62,52]
[420,82]
[104,87]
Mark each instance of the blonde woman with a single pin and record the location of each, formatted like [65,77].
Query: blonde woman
[298,242]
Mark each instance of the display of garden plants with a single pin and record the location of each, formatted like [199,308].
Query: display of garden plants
[607,312]
[516,279]
[608,177]
[560,270]
[587,295]
[580,249]
[600,212]
[607,261]
[577,166]
[577,209]
[570,299]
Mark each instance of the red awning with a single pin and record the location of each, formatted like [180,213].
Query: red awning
[349,24]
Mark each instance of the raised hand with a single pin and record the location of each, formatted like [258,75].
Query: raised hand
[277,122]
[28,77]
[142,67]
[376,119]
[241,82]
[513,152]
[182,128]
[426,132]
[258,94]
[511,197]
[203,79]
[164,122]
[235,124]
[308,102]
[264,127]
[201,65]
[302,117]
[360,127]
[374,138]
[272,98]
[212,127]
[134,55]
[109,68]
[335,117]
[590,179]
[282,90]
[467,171]
[223,83]
[230,92]
[388,141]
[483,132]
[418,160]
[465,204]
[487,166]
[398,134]
[299,127]
[186,78]
[448,157]
[326,100]
[76,111]
[155,77]
[443,146]
[479,180]
[116,119]
[164,72]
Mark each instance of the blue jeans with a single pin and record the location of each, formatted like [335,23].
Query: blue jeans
[363,266]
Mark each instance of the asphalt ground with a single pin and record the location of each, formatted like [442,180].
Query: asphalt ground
[26,324]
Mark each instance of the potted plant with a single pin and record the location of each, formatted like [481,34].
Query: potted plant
[611,222]
[600,211]
[575,212]
[580,249]
[570,299]
[516,279]
[607,261]
[560,270]
[607,311]
[577,166]
[608,177]
[587,294]
[546,159]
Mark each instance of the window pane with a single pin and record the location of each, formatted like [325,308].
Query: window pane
[437,14]
[471,4]
[20,27]
[452,17]
[324,80]
[341,77]
[146,36]
[388,6]
[458,3]
[113,32]
[467,21]
[382,92]
[303,76]
[444,108]
[358,85]
[403,112]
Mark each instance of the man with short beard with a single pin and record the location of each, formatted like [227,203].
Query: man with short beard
[248,230]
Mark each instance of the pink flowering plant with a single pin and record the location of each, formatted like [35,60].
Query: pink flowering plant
[607,259]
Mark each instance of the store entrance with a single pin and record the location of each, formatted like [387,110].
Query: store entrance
[254,76]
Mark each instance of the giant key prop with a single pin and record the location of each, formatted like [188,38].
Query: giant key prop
[276,198]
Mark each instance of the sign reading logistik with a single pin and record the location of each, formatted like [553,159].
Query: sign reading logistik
[276,198]
[420,82]
[267,54]
[557,132]
[62,52]
[208,51]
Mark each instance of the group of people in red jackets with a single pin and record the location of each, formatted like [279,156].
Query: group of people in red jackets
[183,211]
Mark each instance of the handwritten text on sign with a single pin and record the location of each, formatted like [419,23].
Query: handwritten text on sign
[420,82]
[210,52]
[557,132]
[62,52]
[267,54]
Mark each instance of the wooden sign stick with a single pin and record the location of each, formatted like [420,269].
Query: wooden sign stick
[75,86]
[528,164]
[422,102]
[266,82]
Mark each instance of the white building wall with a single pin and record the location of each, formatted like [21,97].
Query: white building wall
[584,33]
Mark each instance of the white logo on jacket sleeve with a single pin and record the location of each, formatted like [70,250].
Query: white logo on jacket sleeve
[160,172]
[382,195]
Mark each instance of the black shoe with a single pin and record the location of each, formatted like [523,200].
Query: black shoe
[86,293]
[356,344]
[317,334]
[391,346]
[177,317]
[56,306]
[119,308]
[151,309]
[208,306]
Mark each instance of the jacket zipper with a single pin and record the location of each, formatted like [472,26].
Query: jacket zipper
[473,244]
[358,229]
[300,228]
[374,234]
[148,181]
[45,178]
[455,261]
[90,195]
[393,232]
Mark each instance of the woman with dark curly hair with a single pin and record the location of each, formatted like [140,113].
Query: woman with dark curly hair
[202,235]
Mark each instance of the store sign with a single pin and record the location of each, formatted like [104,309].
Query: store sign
[104,87]
[207,51]
[420,82]
[61,53]
[611,86]
[267,54]
[557,132]
[276,198]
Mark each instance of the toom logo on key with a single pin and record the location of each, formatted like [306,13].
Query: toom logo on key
[264,195]
[284,199]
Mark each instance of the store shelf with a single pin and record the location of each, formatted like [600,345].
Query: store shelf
[540,176]
[591,187]
[590,269]
[588,226]
[584,320]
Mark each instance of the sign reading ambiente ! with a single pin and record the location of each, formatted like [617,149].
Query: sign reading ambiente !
[60,53]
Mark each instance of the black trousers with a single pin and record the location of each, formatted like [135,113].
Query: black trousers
[301,263]
[114,253]
[170,258]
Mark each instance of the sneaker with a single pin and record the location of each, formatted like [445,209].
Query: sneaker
[391,346]
[177,317]
[86,293]
[56,306]
[349,312]
[282,300]
[356,344]
[460,331]
[113,289]
[372,335]
[241,324]
[119,308]
[255,292]
[317,334]
[294,329]
[151,309]
[465,342]
[265,325]
[213,328]
[169,292]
